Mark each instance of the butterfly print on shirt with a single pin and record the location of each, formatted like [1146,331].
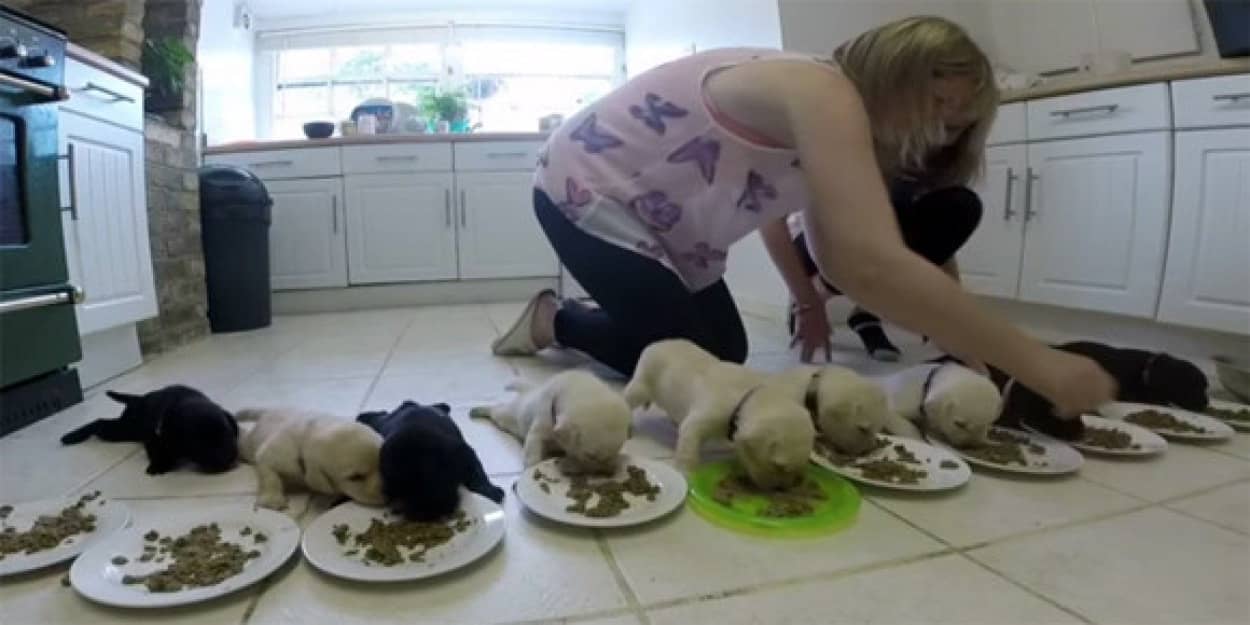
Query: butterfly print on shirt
[594,140]
[703,152]
[703,255]
[577,199]
[656,210]
[656,110]
[758,189]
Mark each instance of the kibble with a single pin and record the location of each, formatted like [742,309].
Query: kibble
[385,543]
[1108,438]
[48,531]
[1158,420]
[798,501]
[1230,414]
[200,558]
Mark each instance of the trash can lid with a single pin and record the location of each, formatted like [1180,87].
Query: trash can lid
[223,185]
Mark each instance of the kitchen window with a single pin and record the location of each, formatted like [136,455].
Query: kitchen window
[512,76]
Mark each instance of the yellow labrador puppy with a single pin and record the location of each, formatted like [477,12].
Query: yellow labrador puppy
[321,452]
[849,410]
[772,434]
[958,403]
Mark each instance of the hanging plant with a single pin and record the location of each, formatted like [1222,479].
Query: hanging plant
[165,63]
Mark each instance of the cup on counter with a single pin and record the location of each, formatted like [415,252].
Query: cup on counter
[367,124]
[347,128]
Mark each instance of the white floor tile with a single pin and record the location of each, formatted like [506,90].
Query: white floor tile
[685,556]
[1182,469]
[1148,567]
[539,572]
[1227,507]
[990,507]
[339,396]
[483,382]
[1239,446]
[948,589]
[130,480]
[311,362]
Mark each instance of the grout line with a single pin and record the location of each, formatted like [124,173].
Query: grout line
[570,620]
[97,475]
[390,355]
[622,583]
[1208,521]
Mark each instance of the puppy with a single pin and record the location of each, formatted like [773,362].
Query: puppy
[321,452]
[573,414]
[1142,376]
[771,432]
[956,402]
[849,410]
[424,460]
[175,423]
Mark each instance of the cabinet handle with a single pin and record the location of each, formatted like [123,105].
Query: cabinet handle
[1011,183]
[117,97]
[273,164]
[385,159]
[464,214]
[1030,178]
[68,157]
[1105,108]
[1232,97]
[334,212]
[447,208]
[506,155]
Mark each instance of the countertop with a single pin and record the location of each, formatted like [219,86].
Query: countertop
[261,146]
[1148,73]
[87,57]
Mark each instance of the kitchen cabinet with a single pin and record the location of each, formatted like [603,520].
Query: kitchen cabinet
[1146,28]
[105,221]
[989,262]
[1097,219]
[1207,282]
[499,237]
[400,227]
[307,241]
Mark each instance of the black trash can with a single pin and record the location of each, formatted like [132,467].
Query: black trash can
[235,217]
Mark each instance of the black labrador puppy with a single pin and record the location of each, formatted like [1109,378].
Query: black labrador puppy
[1143,377]
[425,459]
[175,423]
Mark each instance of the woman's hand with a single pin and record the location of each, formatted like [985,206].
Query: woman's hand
[812,331]
[1074,384]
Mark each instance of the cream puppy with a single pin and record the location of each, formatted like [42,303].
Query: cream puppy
[573,414]
[321,452]
[772,434]
[956,402]
[849,410]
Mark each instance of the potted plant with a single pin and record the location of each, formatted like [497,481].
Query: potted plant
[445,110]
[165,62]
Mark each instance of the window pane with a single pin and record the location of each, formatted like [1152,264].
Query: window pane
[529,57]
[348,97]
[409,91]
[302,64]
[414,61]
[516,103]
[359,62]
[302,100]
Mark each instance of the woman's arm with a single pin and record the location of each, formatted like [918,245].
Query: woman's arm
[856,243]
[781,250]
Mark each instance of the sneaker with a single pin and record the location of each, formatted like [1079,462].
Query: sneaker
[519,339]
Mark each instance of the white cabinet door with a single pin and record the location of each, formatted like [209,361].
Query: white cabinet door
[989,262]
[1041,35]
[1207,283]
[106,231]
[499,235]
[1097,222]
[400,228]
[1146,28]
[307,242]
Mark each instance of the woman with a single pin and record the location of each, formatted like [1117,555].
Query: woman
[642,193]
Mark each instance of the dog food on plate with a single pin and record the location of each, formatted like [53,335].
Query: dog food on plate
[1108,438]
[1230,414]
[393,543]
[48,531]
[892,470]
[1162,421]
[200,558]
[792,502]
[1005,448]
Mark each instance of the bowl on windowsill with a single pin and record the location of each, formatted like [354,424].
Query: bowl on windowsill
[319,130]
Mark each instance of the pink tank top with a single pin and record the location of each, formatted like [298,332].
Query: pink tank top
[651,168]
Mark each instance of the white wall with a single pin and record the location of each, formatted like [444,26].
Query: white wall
[819,26]
[226,60]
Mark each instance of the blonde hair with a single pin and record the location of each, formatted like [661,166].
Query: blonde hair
[893,67]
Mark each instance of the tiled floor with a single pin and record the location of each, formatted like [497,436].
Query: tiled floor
[1162,541]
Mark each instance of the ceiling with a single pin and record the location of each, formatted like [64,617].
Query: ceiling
[282,9]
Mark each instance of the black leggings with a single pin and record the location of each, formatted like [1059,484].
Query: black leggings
[934,225]
[640,300]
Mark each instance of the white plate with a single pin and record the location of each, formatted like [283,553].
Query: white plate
[110,516]
[1057,459]
[1243,426]
[930,458]
[551,505]
[1148,443]
[1216,430]
[95,576]
[324,551]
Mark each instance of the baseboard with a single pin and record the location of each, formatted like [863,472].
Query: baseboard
[403,295]
[108,353]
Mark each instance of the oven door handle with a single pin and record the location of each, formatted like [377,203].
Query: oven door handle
[53,94]
[66,295]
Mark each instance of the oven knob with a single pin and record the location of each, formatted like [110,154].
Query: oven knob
[39,60]
[10,49]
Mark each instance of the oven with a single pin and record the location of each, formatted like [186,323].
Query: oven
[38,333]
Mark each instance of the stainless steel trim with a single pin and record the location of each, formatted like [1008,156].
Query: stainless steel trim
[1232,97]
[73,186]
[334,212]
[73,295]
[464,216]
[273,164]
[506,154]
[1107,108]
[117,97]
[54,93]
[1011,184]
[1030,178]
[447,208]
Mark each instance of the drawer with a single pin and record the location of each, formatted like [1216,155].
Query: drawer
[1010,126]
[1206,102]
[284,164]
[1124,109]
[101,95]
[497,155]
[396,158]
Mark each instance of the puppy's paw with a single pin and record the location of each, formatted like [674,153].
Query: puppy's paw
[495,494]
[272,501]
[158,469]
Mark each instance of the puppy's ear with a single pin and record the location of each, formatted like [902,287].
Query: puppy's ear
[123,398]
[368,417]
[443,408]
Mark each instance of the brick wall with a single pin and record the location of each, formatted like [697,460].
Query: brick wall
[116,29]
